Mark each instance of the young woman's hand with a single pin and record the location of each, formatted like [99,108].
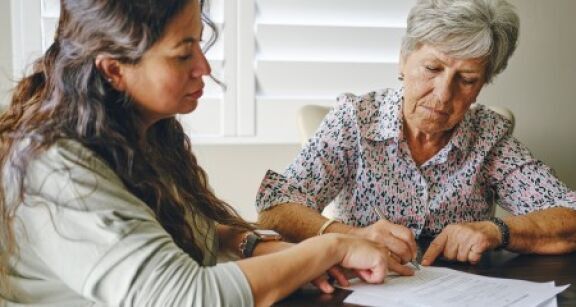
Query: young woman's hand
[322,282]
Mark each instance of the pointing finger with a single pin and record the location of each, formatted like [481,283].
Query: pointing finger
[435,249]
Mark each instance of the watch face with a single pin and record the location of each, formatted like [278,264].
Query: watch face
[268,234]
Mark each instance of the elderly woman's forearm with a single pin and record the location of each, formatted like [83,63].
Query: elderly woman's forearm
[296,222]
[549,231]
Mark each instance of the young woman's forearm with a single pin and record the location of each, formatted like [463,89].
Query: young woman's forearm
[274,276]
[229,238]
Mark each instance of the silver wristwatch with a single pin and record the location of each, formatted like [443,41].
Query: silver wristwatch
[251,239]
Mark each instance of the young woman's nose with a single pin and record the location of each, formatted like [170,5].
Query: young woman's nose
[201,67]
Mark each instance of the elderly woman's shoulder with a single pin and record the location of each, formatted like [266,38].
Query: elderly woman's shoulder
[488,120]
[372,98]
[367,112]
[369,104]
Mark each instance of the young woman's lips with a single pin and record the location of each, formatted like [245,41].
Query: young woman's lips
[195,95]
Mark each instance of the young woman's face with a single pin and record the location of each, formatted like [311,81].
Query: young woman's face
[168,79]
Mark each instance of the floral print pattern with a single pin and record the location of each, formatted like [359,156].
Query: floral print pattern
[359,158]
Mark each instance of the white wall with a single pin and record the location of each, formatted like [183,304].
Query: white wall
[538,86]
[5,53]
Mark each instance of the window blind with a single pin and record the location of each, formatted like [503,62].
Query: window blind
[274,56]
[310,51]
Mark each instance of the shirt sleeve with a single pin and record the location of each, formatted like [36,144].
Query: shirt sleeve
[522,183]
[106,245]
[322,167]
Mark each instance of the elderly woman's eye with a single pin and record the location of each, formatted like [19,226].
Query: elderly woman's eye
[469,81]
[432,68]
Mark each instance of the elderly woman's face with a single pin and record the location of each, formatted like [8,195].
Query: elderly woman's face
[439,89]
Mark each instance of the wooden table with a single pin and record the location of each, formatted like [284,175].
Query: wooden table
[561,269]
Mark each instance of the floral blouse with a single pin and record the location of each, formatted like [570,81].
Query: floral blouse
[359,158]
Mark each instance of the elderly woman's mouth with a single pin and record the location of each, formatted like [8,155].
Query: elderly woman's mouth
[435,112]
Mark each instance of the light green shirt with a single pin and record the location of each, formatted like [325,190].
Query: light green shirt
[85,240]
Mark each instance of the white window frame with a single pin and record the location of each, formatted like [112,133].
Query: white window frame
[26,39]
[244,117]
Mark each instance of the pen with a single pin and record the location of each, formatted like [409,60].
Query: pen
[380,214]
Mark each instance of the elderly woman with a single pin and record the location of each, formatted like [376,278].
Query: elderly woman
[420,162]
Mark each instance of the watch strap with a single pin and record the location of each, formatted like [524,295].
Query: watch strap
[248,244]
[504,232]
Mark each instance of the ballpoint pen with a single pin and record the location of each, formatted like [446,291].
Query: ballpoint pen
[380,214]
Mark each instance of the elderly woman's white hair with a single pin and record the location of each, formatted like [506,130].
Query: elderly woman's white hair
[465,29]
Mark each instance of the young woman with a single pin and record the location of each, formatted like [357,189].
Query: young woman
[102,199]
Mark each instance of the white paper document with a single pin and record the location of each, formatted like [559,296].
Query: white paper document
[433,286]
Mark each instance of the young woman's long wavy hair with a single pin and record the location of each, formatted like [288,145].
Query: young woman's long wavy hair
[67,97]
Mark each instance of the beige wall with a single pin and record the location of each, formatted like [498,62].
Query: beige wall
[235,171]
[539,82]
[538,86]
[5,52]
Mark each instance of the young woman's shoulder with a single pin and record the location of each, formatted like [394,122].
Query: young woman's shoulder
[67,174]
[68,154]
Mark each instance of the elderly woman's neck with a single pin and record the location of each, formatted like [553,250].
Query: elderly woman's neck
[423,146]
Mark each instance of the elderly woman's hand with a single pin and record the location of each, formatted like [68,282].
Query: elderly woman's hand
[397,238]
[463,242]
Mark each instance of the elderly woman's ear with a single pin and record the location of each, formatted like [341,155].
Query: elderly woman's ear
[401,67]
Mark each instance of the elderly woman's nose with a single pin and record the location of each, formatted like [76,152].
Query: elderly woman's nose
[444,88]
